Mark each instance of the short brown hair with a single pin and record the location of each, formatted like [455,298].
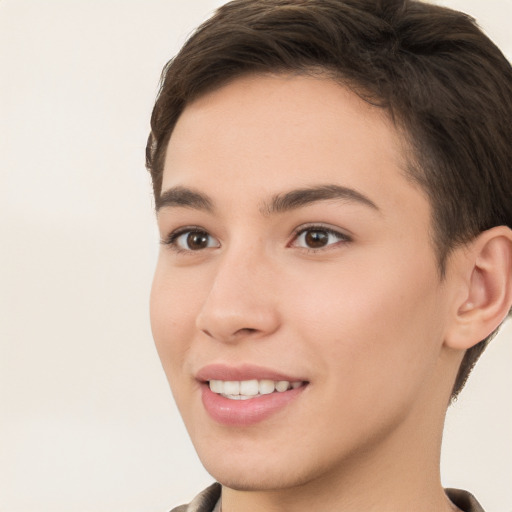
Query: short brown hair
[444,83]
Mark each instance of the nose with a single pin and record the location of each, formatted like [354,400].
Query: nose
[241,302]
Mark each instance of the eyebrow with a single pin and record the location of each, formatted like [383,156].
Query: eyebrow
[185,197]
[305,196]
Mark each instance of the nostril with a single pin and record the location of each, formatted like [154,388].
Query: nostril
[246,330]
[239,334]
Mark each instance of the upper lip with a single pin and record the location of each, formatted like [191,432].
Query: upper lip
[220,371]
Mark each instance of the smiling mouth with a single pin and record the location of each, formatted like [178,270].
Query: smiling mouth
[250,389]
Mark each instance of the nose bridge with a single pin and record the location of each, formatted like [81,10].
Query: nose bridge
[240,300]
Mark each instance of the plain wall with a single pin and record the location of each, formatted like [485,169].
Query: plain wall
[87,421]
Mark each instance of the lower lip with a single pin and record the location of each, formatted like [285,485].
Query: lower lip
[242,413]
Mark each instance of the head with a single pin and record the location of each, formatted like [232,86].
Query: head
[446,87]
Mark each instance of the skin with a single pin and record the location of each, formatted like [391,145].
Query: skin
[363,319]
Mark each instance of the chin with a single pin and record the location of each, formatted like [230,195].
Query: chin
[249,480]
[261,471]
[244,475]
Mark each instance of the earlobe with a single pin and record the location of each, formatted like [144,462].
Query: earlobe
[488,296]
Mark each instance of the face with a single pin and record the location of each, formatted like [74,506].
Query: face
[297,279]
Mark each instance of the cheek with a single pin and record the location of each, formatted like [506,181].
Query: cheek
[174,302]
[375,332]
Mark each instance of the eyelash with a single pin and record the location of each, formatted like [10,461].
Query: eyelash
[342,237]
[172,239]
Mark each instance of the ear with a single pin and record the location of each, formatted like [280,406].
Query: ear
[486,295]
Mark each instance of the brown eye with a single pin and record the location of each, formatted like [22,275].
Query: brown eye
[316,239]
[197,240]
[192,240]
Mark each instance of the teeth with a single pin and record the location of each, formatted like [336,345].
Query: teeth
[267,387]
[231,387]
[249,387]
[246,389]
[217,386]
[282,385]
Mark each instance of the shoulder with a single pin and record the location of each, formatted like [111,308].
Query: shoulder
[206,500]
[203,502]
[464,500]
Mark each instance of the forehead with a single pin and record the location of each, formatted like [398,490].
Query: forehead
[264,134]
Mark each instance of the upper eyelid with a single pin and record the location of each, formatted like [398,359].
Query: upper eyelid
[320,226]
[176,233]
[185,229]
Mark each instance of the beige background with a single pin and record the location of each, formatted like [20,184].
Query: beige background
[87,422]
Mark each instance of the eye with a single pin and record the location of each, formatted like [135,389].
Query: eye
[191,240]
[318,237]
